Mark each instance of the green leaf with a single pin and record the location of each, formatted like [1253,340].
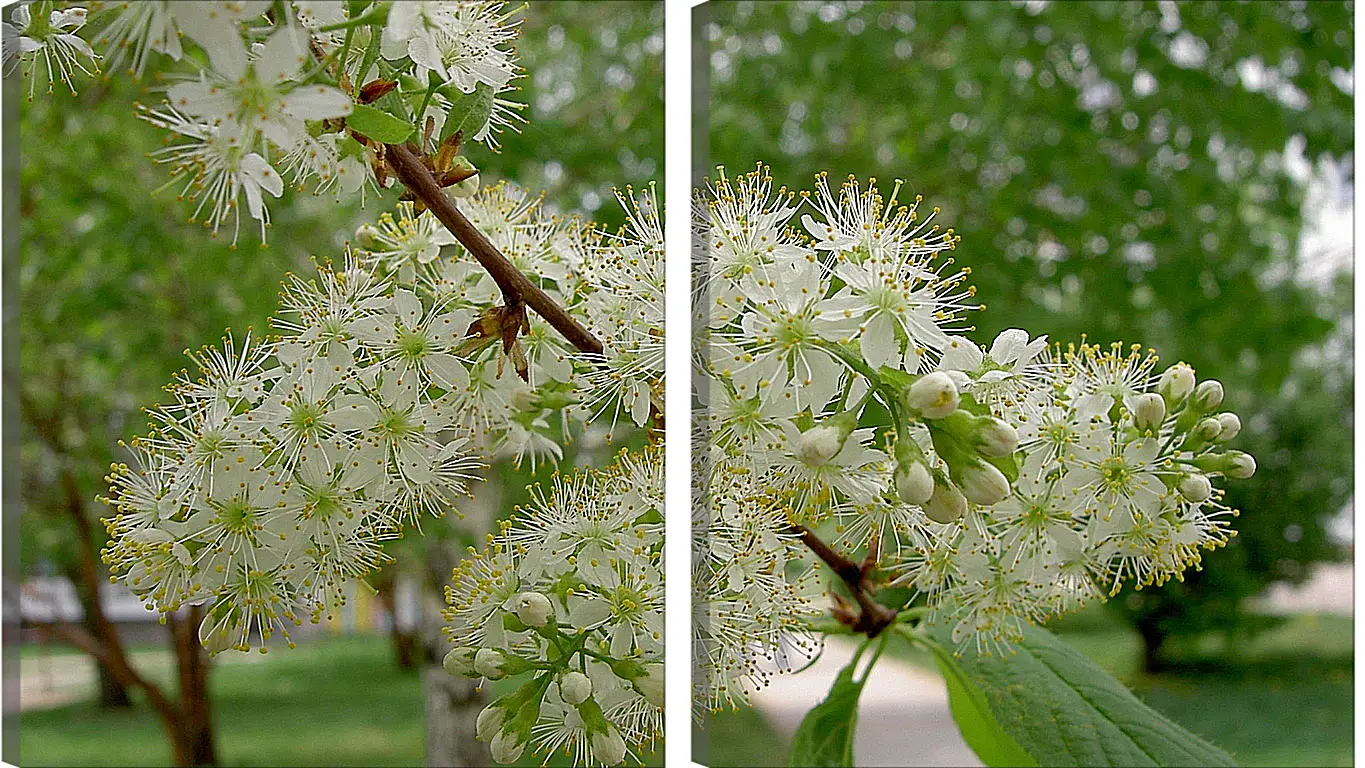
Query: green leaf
[380,126]
[825,736]
[1060,708]
[895,378]
[1007,466]
[469,112]
[980,729]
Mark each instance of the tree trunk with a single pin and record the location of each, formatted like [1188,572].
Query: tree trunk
[192,738]
[113,693]
[1152,641]
[406,643]
[452,706]
[452,703]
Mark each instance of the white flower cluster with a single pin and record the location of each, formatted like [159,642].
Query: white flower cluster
[272,479]
[569,598]
[40,35]
[280,95]
[838,395]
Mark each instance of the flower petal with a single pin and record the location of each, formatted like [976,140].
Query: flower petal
[316,102]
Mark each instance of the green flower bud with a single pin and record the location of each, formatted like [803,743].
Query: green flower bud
[995,438]
[1207,429]
[1234,464]
[946,504]
[534,609]
[459,661]
[1149,411]
[489,663]
[1208,395]
[506,747]
[983,484]
[1176,384]
[367,236]
[933,396]
[489,721]
[575,688]
[914,482]
[470,186]
[1195,487]
[651,684]
[609,748]
[818,445]
[1241,466]
[1232,426]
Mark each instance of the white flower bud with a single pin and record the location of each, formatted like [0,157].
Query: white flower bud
[459,661]
[1149,411]
[1195,487]
[575,688]
[1207,429]
[947,504]
[995,438]
[488,662]
[609,748]
[1232,426]
[914,482]
[1176,383]
[818,445]
[983,484]
[489,722]
[933,396]
[506,747]
[651,684]
[367,236]
[534,609]
[467,188]
[1240,465]
[1208,395]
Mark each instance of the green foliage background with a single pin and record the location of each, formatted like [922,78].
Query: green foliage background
[1090,203]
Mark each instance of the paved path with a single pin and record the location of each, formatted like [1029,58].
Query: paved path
[903,716]
[1331,589]
[52,680]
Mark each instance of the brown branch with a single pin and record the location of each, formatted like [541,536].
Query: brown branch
[872,616]
[516,287]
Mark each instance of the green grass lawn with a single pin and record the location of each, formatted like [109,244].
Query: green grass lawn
[741,738]
[1285,701]
[330,702]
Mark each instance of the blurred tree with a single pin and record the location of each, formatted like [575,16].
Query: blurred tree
[1128,170]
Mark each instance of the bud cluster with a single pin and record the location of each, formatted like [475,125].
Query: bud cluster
[568,599]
